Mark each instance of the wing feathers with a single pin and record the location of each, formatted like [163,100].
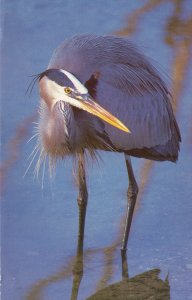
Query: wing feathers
[139,105]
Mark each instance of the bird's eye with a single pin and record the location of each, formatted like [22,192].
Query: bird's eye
[67,90]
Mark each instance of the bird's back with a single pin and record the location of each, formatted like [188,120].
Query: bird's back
[124,82]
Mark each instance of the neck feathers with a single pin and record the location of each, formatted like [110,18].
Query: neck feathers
[57,129]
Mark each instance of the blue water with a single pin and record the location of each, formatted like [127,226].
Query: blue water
[39,225]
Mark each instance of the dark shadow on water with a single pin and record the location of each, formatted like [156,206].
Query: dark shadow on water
[146,285]
[143,286]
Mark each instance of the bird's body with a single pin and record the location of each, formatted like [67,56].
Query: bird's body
[120,80]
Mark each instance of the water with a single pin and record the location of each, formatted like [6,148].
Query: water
[39,226]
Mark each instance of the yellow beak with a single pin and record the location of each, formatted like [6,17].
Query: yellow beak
[95,109]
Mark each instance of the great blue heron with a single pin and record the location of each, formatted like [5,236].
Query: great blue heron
[113,73]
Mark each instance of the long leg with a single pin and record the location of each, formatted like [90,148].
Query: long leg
[82,203]
[124,266]
[81,200]
[132,196]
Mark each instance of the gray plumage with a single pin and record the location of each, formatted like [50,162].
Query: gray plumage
[130,88]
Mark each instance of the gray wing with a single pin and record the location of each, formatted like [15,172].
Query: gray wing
[140,102]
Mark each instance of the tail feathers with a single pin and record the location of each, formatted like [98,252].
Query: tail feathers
[169,151]
[156,153]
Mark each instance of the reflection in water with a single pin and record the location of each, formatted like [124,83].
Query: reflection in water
[74,266]
[36,292]
[143,286]
[146,285]
[178,32]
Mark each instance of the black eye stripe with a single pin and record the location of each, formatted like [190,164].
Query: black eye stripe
[58,77]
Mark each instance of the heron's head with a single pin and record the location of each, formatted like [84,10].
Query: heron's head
[59,85]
